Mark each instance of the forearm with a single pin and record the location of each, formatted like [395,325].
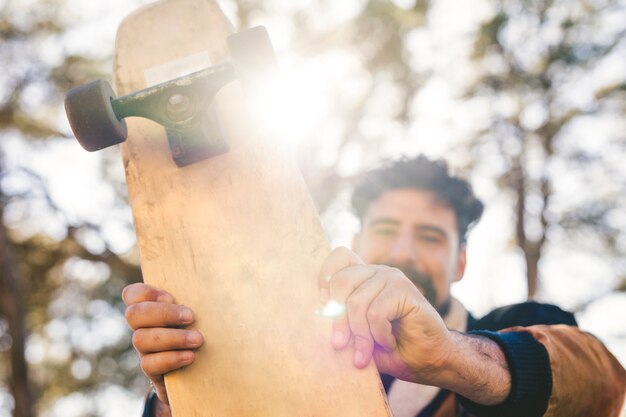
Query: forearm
[476,369]
[556,371]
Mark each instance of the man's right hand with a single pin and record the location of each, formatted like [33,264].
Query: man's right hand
[159,336]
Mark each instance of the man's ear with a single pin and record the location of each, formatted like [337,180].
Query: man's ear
[461,263]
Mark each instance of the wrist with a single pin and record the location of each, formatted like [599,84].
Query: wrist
[530,372]
[434,367]
[475,368]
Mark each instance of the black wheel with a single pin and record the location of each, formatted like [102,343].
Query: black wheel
[91,116]
[252,56]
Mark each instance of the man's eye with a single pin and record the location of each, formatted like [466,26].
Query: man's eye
[384,232]
[430,238]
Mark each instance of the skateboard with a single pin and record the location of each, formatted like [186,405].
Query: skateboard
[223,218]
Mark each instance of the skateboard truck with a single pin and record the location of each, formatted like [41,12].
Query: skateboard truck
[181,105]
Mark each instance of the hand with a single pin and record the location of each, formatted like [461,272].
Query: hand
[388,318]
[158,335]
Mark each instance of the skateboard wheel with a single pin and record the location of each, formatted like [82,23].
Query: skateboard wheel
[252,56]
[91,116]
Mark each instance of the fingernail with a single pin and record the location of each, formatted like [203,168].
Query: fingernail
[186,356]
[337,338]
[358,358]
[323,295]
[194,339]
[186,316]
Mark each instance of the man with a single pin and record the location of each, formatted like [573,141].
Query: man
[435,359]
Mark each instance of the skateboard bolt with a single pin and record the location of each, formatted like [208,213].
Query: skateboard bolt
[179,106]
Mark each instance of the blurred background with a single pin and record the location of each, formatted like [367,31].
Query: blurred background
[526,98]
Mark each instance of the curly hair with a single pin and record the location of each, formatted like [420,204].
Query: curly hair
[425,174]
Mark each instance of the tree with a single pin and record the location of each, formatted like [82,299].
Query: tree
[59,276]
[546,69]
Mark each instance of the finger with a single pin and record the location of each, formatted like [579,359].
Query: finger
[149,340]
[152,314]
[161,392]
[136,293]
[341,286]
[155,365]
[395,301]
[338,259]
[344,282]
[358,305]
[380,315]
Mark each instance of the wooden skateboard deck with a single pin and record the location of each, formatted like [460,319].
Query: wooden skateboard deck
[237,238]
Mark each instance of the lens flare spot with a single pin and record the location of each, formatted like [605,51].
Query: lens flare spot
[332,310]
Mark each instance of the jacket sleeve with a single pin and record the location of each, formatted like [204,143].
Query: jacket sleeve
[586,378]
[149,404]
[556,371]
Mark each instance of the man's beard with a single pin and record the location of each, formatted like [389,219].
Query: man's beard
[424,284]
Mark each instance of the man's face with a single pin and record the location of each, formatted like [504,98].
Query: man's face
[411,230]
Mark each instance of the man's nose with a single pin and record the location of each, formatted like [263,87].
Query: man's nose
[403,249]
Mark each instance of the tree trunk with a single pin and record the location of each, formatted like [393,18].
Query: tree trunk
[11,306]
[532,253]
[519,182]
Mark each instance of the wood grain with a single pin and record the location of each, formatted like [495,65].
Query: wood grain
[236,238]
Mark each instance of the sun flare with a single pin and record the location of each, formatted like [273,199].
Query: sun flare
[292,103]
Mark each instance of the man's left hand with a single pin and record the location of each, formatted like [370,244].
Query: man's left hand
[386,315]
[391,322]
